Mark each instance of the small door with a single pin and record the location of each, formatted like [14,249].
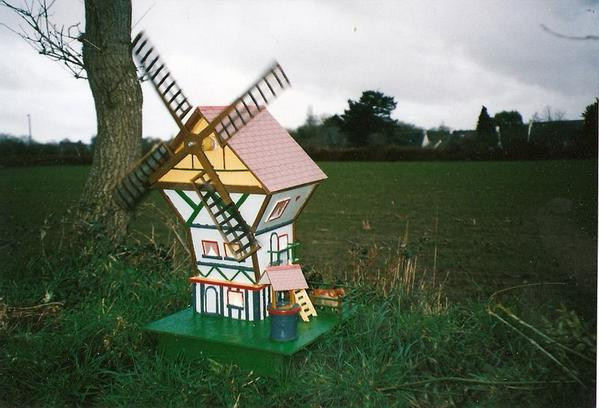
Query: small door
[274,249]
[283,255]
[211,300]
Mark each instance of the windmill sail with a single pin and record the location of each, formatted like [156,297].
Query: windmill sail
[135,185]
[164,83]
[213,193]
[232,119]
[250,103]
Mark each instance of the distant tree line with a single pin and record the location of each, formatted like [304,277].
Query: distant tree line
[366,131]
[366,122]
[20,151]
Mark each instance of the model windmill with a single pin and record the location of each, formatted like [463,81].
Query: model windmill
[238,181]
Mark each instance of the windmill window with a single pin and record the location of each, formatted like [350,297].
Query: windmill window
[210,249]
[278,209]
[235,298]
[230,250]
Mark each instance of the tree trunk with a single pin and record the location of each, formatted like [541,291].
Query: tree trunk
[118,101]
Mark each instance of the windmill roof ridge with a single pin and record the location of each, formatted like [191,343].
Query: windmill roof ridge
[270,152]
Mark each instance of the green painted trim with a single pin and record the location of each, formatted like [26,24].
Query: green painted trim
[185,198]
[222,274]
[196,207]
[210,226]
[241,200]
[238,269]
[194,336]
[250,278]
[223,266]
[202,226]
[197,210]
[274,227]
[194,214]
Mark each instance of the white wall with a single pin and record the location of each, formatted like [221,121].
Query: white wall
[249,209]
[264,241]
[297,198]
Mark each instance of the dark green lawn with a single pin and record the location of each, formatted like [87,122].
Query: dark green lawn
[493,224]
[488,220]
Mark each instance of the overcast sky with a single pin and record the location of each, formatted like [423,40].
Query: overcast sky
[441,60]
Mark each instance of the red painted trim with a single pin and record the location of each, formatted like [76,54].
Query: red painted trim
[197,279]
[292,311]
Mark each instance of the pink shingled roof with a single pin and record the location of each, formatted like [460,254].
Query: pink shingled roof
[270,152]
[286,277]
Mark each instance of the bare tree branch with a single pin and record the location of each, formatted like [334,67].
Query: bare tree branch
[56,42]
[569,37]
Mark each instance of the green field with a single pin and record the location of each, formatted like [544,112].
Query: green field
[494,224]
[72,318]
[491,224]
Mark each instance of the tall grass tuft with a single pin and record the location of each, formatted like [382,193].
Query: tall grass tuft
[399,277]
[403,344]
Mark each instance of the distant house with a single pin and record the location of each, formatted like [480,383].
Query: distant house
[454,139]
[438,140]
[556,135]
[407,136]
[425,140]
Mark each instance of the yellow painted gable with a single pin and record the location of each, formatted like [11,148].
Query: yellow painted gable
[228,166]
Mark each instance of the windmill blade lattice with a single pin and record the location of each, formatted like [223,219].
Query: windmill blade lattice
[227,219]
[135,185]
[250,103]
[213,193]
[164,83]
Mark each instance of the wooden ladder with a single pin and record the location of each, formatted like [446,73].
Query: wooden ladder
[227,219]
[307,308]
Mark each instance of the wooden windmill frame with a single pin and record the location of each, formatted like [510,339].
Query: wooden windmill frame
[164,156]
[206,191]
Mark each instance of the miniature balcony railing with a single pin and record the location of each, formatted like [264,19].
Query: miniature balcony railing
[288,254]
[337,300]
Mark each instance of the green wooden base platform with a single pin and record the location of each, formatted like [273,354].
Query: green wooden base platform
[244,343]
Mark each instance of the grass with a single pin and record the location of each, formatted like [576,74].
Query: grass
[404,348]
[483,218]
[404,345]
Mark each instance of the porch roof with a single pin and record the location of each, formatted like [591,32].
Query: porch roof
[284,277]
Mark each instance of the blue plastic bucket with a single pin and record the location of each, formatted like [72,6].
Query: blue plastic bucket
[283,323]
